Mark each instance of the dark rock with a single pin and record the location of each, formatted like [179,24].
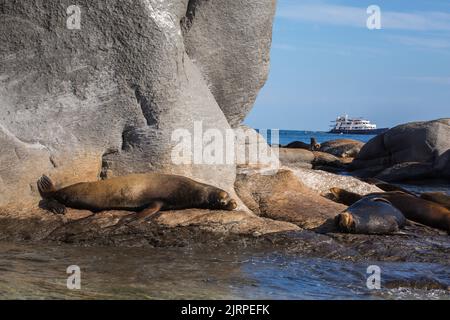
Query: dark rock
[298,145]
[422,143]
[406,171]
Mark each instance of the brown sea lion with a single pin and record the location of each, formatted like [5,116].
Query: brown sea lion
[413,208]
[438,197]
[143,193]
[385,186]
[314,145]
[370,216]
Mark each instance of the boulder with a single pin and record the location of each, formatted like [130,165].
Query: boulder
[321,182]
[343,148]
[282,196]
[417,142]
[229,41]
[442,165]
[122,92]
[296,158]
[327,159]
[406,171]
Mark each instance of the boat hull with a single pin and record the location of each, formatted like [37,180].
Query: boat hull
[368,131]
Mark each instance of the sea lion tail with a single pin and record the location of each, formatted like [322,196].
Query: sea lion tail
[46,187]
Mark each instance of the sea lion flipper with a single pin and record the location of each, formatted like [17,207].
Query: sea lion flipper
[46,187]
[152,209]
[143,215]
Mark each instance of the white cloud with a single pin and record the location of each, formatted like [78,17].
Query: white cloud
[357,17]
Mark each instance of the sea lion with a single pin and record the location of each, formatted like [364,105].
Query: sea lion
[438,197]
[312,146]
[370,216]
[413,208]
[315,146]
[143,193]
[385,186]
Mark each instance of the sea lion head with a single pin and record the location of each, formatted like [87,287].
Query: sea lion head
[345,222]
[220,199]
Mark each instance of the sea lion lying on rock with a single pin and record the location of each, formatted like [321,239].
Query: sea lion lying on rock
[143,193]
[438,197]
[386,186]
[413,208]
[370,216]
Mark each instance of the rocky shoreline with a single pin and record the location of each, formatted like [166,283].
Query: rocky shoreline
[275,222]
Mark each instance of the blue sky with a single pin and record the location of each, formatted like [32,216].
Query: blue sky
[326,62]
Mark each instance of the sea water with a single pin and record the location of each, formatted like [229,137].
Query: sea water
[287,136]
[39,272]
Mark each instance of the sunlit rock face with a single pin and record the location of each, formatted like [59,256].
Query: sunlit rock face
[104,99]
[230,42]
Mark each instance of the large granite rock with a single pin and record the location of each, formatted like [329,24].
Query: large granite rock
[282,196]
[105,100]
[419,143]
[230,42]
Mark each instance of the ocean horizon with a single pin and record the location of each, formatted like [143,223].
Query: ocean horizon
[288,136]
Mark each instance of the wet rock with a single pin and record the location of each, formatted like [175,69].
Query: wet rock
[80,226]
[282,196]
[416,243]
[343,148]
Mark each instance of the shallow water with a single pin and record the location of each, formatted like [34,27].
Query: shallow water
[39,272]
